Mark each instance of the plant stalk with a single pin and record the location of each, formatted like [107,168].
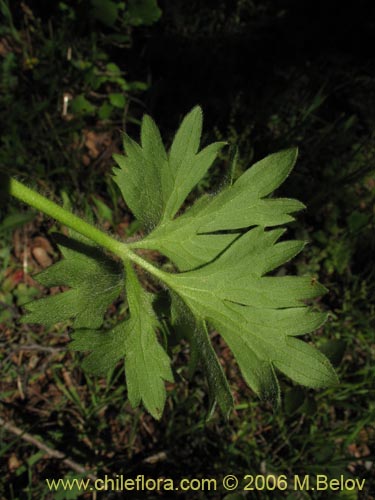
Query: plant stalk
[48,207]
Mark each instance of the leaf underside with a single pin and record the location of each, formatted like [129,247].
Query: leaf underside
[95,282]
[147,365]
[223,247]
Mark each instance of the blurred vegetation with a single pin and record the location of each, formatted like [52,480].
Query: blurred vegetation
[268,75]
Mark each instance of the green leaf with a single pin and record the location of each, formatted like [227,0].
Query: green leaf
[24,293]
[12,221]
[113,69]
[139,182]
[147,365]
[226,283]
[95,281]
[186,166]
[357,221]
[203,351]
[142,12]
[105,111]
[155,184]
[188,240]
[105,11]
[224,246]
[104,211]
[117,100]
[219,391]
[180,241]
[80,105]
[243,204]
[257,315]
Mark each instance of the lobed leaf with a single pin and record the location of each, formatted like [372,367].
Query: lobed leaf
[224,246]
[147,365]
[190,240]
[196,333]
[258,315]
[95,281]
[155,184]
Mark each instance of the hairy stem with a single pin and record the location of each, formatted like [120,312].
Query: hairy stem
[36,200]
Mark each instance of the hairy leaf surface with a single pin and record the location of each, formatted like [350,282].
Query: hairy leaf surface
[147,365]
[258,315]
[224,248]
[190,240]
[196,332]
[95,281]
[155,183]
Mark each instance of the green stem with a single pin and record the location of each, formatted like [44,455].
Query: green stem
[36,200]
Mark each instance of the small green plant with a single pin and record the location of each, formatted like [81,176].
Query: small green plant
[62,70]
[222,249]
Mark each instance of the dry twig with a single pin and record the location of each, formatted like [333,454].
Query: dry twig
[48,450]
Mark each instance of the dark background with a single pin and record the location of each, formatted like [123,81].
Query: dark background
[268,75]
